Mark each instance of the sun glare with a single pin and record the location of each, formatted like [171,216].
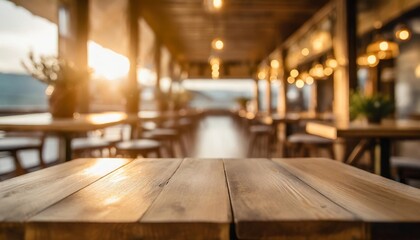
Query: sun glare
[107,63]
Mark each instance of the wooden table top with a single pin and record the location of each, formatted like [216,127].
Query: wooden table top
[44,122]
[204,198]
[157,115]
[388,129]
[285,118]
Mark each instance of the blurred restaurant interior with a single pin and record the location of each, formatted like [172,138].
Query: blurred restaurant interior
[250,73]
[200,79]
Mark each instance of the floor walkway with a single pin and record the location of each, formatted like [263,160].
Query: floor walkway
[219,137]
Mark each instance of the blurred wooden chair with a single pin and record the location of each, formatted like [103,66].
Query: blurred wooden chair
[305,145]
[407,168]
[261,138]
[12,144]
[139,147]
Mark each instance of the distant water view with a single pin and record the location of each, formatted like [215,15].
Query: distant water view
[21,92]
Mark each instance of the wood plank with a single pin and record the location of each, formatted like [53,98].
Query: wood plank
[270,203]
[195,202]
[108,209]
[391,210]
[24,196]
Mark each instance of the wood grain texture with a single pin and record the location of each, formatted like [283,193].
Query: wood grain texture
[195,203]
[270,203]
[24,196]
[390,210]
[108,209]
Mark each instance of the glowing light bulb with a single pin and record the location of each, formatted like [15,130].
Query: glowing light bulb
[383,46]
[309,80]
[294,73]
[305,52]
[371,59]
[275,63]
[300,83]
[291,80]
[217,44]
[217,4]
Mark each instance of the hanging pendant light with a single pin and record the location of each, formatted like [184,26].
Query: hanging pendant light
[402,32]
[367,60]
[384,49]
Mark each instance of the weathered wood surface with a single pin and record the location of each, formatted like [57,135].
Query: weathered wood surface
[119,200]
[195,200]
[270,203]
[207,199]
[390,210]
[25,196]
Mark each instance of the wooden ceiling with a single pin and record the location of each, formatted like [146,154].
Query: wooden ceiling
[250,29]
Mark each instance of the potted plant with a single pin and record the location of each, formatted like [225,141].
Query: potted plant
[374,108]
[62,77]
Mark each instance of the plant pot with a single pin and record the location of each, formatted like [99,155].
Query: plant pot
[62,102]
[374,119]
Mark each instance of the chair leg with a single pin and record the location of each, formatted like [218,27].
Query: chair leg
[331,151]
[251,145]
[19,169]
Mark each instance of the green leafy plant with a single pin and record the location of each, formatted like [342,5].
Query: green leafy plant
[374,108]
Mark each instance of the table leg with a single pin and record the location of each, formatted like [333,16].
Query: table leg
[287,132]
[64,145]
[385,155]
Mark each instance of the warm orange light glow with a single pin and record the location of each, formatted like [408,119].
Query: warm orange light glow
[332,63]
[372,60]
[217,4]
[294,73]
[417,71]
[215,60]
[403,35]
[309,80]
[217,44]
[305,52]
[107,63]
[383,46]
[102,167]
[328,71]
[275,63]
[106,117]
[111,200]
[262,75]
[300,83]
[291,80]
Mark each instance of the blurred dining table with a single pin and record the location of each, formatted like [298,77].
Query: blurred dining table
[380,135]
[307,198]
[291,122]
[64,128]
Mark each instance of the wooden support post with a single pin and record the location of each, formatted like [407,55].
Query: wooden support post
[158,69]
[73,25]
[268,95]
[132,87]
[282,96]
[256,96]
[345,76]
